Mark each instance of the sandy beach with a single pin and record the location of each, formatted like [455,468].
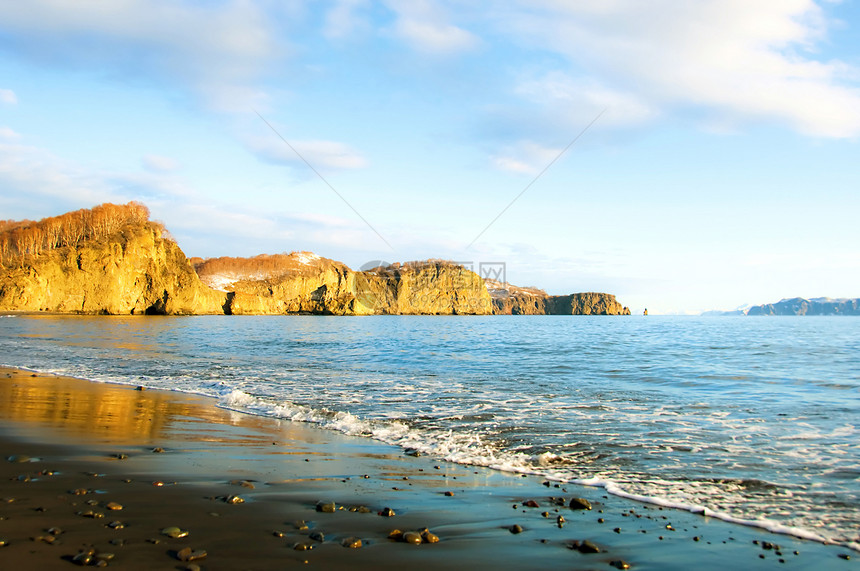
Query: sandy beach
[110,475]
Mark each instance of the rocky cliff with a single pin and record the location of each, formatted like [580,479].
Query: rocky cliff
[302,282]
[112,260]
[513,300]
[815,306]
[132,270]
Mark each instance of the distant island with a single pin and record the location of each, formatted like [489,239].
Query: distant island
[799,306]
[112,260]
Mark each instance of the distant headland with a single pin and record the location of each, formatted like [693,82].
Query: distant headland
[113,260]
[800,306]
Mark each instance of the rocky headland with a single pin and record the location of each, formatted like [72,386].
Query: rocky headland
[814,306]
[512,300]
[113,260]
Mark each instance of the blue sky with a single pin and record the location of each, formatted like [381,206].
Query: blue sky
[722,168]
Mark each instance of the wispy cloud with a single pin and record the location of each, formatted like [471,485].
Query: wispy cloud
[220,50]
[734,60]
[8,133]
[8,96]
[425,25]
[160,164]
[320,154]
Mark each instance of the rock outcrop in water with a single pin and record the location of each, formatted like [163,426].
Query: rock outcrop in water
[513,300]
[815,306]
[113,260]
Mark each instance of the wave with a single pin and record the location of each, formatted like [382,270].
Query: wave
[471,449]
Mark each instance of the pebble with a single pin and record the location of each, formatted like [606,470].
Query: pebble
[187,554]
[119,456]
[3,542]
[531,504]
[113,506]
[174,532]
[192,567]
[326,507]
[386,512]
[158,450]
[91,514]
[116,525]
[301,525]
[586,546]
[449,494]
[620,564]
[428,537]
[303,546]
[277,533]
[844,556]
[54,530]
[351,542]
[560,521]
[317,536]
[580,504]
[412,537]
[234,500]
[516,528]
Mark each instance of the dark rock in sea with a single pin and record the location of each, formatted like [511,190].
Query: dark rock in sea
[580,504]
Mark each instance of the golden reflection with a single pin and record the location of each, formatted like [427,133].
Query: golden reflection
[85,410]
[82,408]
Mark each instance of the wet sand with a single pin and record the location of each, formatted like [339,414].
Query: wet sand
[72,449]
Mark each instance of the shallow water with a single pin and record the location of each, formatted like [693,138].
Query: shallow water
[751,418]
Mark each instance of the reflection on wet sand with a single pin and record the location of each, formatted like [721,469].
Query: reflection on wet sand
[115,412]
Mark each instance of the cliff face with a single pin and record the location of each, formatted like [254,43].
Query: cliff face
[305,283]
[112,260]
[801,306]
[588,303]
[513,300]
[133,270]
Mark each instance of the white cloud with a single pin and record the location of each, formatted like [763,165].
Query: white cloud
[738,61]
[525,157]
[8,96]
[159,164]
[424,25]
[343,18]
[8,133]
[213,48]
[320,154]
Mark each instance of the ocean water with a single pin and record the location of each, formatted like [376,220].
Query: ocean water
[754,420]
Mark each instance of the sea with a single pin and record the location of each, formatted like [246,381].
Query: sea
[752,420]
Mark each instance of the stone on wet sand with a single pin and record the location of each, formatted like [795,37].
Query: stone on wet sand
[386,512]
[580,504]
[351,542]
[188,554]
[326,507]
[516,528]
[174,532]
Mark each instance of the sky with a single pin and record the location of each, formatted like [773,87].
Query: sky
[682,155]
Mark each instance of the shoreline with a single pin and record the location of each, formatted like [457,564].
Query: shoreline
[76,428]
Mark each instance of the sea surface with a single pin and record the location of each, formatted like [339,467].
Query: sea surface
[754,420]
